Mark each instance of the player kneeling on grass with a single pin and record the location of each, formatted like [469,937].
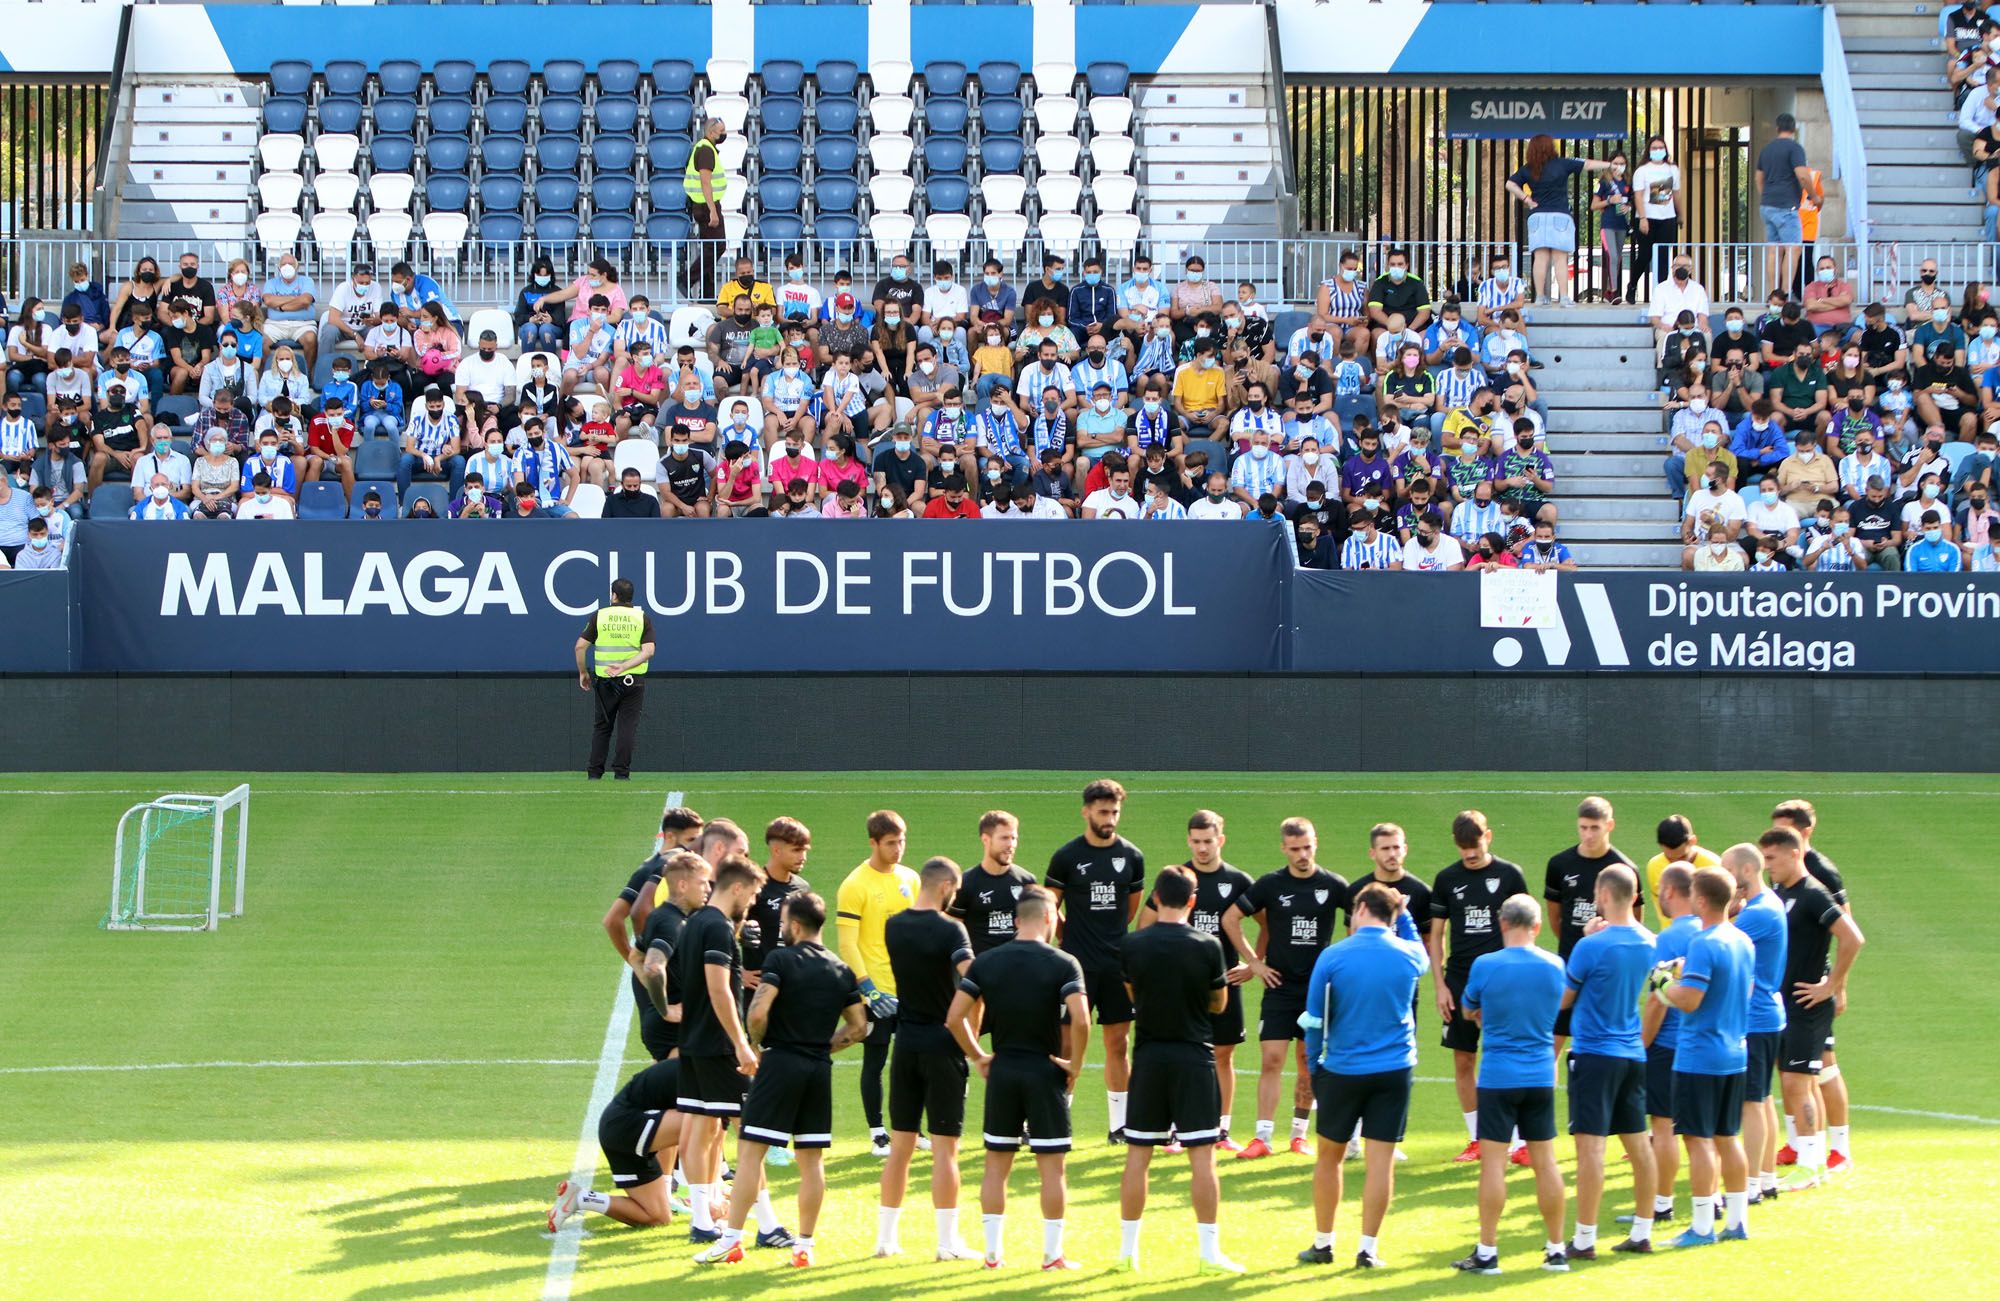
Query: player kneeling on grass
[807,1007]
[637,1125]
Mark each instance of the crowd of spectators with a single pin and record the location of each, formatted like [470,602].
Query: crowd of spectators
[1392,420]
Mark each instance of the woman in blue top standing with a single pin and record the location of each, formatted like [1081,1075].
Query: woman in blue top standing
[1543,184]
[1613,205]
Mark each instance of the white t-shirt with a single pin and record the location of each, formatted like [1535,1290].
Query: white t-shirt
[1913,514]
[1224,509]
[1778,518]
[1447,554]
[1108,507]
[1655,185]
[276,508]
[357,305]
[1726,509]
[487,378]
[946,300]
[167,461]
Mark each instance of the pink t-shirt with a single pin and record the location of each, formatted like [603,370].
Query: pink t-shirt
[739,487]
[648,383]
[832,474]
[579,306]
[785,469]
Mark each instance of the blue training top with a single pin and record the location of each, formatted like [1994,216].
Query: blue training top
[1608,972]
[1357,1018]
[1721,962]
[1518,992]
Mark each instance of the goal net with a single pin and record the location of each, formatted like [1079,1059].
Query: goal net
[177,864]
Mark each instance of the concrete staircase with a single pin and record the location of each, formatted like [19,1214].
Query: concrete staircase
[1211,171]
[1605,436]
[1919,186]
[186,162]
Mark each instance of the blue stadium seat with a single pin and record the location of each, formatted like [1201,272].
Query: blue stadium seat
[447,154]
[836,229]
[945,77]
[673,77]
[437,494]
[111,500]
[669,228]
[669,153]
[447,193]
[836,77]
[779,194]
[613,154]
[399,78]
[556,194]
[341,116]
[285,117]
[944,156]
[1000,116]
[612,230]
[371,467]
[507,117]
[560,154]
[832,156]
[562,116]
[292,78]
[346,77]
[562,77]
[392,153]
[618,77]
[780,156]
[780,231]
[784,77]
[1002,154]
[450,116]
[782,116]
[322,500]
[501,228]
[508,77]
[1218,452]
[673,115]
[664,193]
[944,117]
[502,155]
[453,77]
[836,194]
[617,115]
[999,78]
[947,193]
[838,116]
[1107,78]
[500,193]
[613,194]
[396,117]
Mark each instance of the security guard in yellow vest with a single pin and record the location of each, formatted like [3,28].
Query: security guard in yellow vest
[611,658]
[705,183]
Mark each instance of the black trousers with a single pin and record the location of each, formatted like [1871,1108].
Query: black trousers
[707,248]
[617,703]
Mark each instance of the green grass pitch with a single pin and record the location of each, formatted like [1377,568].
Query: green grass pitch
[383,1067]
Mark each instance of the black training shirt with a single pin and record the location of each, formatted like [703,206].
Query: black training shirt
[708,940]
[1214,891]
[652,1089]
[814,988]
[985,903]
[1025,986]
[1300,915]
[1416,898]
[767,910]
[1098,882]
[1470,902]
[1810,916]
[925,948]
[1571,884]
[1173,970]
[1824,872]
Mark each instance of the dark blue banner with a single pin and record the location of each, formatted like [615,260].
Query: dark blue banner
[1519,114]
[736,595]
[35,623]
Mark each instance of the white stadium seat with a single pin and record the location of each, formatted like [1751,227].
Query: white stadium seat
[636,454]
[1058,192]
[1114,193]
[278,232]
[1055,114]
[890,153]
[732,109]
[281,153]
[948,232]
[891,192]
[733,195]
[334,233]
[391,191]
[728,76]
[336,153]
[1002,192]
[890,76]
[1111,154]
[336,191]
[891,232]
[732,151]
[1118,233]
[1006,232]
[1055,78]
[587,502]
[891,113]
[735,226]
[1057,153]
[689,326]
[389,232]
[495,319]
[1062,232]
[279,191]
[1111,114]
[445,233]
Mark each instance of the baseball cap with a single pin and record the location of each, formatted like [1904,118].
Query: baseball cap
[843,300]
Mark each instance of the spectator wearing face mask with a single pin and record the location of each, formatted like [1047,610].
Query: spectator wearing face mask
[1933,551]
[1451,331]
[1200,394]
[262,500]
[217,480]
[535,324]
[1679,292]
[1937,331]
[1798,391]
[1194,297]
[1500,291]
[1834,549]
[1758,445]
[226,420]
[159,502]
[631,500]
[1766,515]
[1807,476]
[1829,299]
[1945,394]
[1716,506]
[592,342]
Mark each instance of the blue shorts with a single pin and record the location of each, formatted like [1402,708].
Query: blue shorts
[1607,1095]
[1660,1081]
[1781,225]
[1557,230]
[1763,1050]
[1707,1106]
[1502,1111]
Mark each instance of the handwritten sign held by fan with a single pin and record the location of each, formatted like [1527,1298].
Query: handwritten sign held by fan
[1517,598]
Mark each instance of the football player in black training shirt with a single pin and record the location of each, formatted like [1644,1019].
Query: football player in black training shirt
[716,1057]
[1814,992]
[1569,890]
[928,952]
[1467,895]
[786,843]
[1830,1086]
[687,877]
[1035,1009]
[1297,909]
[631,909]
[1097,880]
[1175,975]
[985,898]
[807,1007]
[630,1133]
[1217,885]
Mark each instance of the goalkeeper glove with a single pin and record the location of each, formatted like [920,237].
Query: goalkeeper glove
[881,1006]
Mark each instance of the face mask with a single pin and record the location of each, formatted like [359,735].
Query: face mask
[1940,315]
[1164,332]
[81,286]
[892,319]
[843,317]
[268,451]
[1697,405]
[65,372]
[1349,274]
[1930,490]
[1770,496]
[1657,155]
[1708,441]
[1733,326]
[1102,404]
[1501,275]
[927,367]
[1215,494]
[1806,454]
[160,493]
[992,281]
[1152,405]
[952,414]
[888,503]
[1933,536]
[148,277]
[1681,274]
[1525,444]
[902,444]
[1089,277]
[1309,458]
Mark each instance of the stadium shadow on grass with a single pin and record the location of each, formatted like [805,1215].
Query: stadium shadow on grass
[412,1223]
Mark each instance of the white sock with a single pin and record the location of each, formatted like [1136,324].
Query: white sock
[1586,1235]
[1324,1240]
[1791,1132]
[803,1243]
[731,1236]
[1516,1143]
[767,1219]
[1737,1208]
[1367,1245]
[594,1201]
[698,1198]
[1812,1152]
[1116,1101]
[1299,1124]
[1051,1239]
[1265,1128]
[878,1134]
[1472,1125]
[1642,1230]
[947,1226]
[1554,1249]
[995,1227]
[1704,1215]
[1209,1236]
[1488,1251]
[1767,1182]
[1225,1124]
[1355,1137]
[885,1226]
[1128,1239]
[1836,1138]
[1662,1206]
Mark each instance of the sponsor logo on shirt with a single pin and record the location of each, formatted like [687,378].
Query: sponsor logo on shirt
[1103,896]
[1319,896]
[1017,892]
[1478,921]
[1305,930]
[1224,889]
[1493,886]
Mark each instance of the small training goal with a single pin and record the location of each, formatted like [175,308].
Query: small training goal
[178,862]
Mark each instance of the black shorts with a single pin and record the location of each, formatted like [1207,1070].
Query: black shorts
[1226,1027]
[1278,1015]
[1502,1111]
[710,1086]
[626,1137]
[1174,1094]
[1461,1033]
[660,1035]
[1109,1003]
[790,1102]
[1027,1091]
[1660,1081]
[1707,1106]
[1763,1049]
[1807,1036]
[927,1083]
[1607,1095]
[1379,1100]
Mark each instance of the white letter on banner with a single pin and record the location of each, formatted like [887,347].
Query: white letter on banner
[183,588]
[819,570]
[717,561]
[1122,612]
[911,578]
[549,581]
[451,591]
[316,600]
[1016,559]
[1063,570]
[844,580]
[652,591]
[1167,605]
[269,584]
[375,584]
[495,584]
[985,590]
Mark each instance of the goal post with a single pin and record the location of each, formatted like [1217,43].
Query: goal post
[178,862]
